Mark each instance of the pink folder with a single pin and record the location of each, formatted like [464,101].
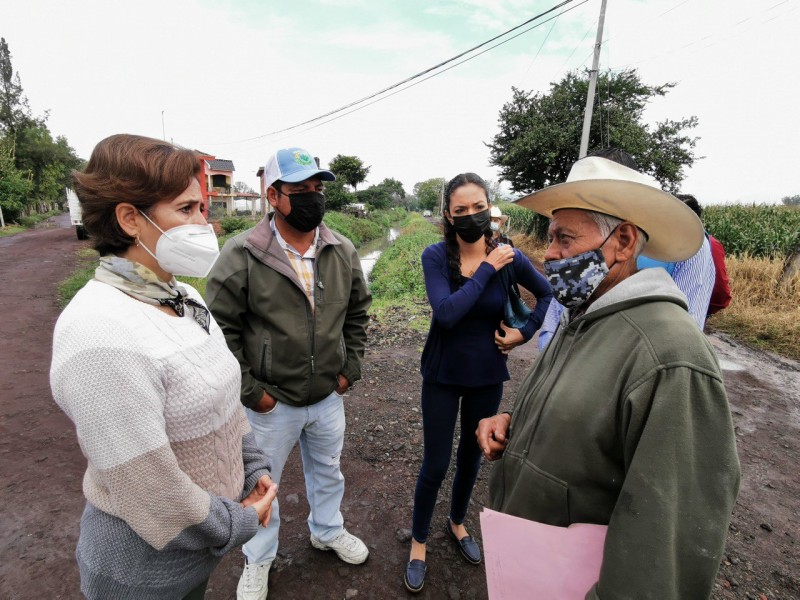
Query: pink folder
[527,559]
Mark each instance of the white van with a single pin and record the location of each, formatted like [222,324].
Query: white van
[75,216]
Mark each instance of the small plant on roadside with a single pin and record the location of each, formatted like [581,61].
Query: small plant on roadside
[72,284]
[234,224]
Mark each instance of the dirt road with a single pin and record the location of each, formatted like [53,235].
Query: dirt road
[42,466]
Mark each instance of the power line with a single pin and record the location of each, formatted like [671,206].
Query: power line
[357,108]
[416,76]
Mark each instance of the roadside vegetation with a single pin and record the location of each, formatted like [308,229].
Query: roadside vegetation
[764,311]
[397,282]
[755,230]
[362,229]
[28,222]
[765,307]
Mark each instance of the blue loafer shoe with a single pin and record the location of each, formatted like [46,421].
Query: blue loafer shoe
[469,548]
[415,575]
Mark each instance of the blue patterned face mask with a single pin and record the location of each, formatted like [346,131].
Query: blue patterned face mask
[576,278]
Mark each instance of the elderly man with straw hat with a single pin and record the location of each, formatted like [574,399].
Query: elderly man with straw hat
[623,420]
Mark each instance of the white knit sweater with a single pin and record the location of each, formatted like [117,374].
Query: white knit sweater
[155,402]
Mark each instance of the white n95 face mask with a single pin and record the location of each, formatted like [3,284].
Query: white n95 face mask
[188,250]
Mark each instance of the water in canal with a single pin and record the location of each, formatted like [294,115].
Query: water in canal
[371,251]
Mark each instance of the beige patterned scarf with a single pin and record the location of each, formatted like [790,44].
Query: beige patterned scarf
[141,283]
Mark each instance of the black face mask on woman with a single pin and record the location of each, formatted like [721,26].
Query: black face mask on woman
[308,208]
[470,228]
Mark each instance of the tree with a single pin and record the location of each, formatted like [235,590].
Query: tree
[386,194]
[376,197]
[44,163]
[350,169]
[394,188]
[15,186]
[429,193]
[540,133]
[14,110]
[337,196]
[242,188]
[791,200]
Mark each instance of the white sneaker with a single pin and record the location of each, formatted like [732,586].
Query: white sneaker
[254,582]
[347,547]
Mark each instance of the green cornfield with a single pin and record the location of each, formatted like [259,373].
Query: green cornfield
[522,220]
[755,230]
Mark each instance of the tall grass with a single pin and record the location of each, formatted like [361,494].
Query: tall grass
[72,284]
[756,230]
[522,220]
[764,311]
[396,280]
[397,274]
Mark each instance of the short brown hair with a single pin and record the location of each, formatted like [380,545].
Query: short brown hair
[134,169]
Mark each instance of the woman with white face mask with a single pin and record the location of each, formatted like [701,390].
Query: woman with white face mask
[174,478]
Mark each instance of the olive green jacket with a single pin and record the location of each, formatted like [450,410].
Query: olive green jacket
[283,346]
[624,421]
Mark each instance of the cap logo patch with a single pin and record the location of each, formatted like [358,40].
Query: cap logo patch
[302,158]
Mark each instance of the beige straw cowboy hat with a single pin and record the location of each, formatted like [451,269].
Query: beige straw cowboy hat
[674,233]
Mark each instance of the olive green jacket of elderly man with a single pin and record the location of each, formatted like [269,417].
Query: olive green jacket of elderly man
[624,421]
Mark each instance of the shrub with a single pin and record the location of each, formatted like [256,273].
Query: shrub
[233,224]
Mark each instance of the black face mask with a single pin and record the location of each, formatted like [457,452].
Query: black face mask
[471,228]
[308,208]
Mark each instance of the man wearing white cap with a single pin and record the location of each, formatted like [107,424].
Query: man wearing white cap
[292,300]
[623,420]
[497,223]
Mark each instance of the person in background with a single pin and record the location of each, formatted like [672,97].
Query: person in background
[174,477]
[498,224]
[721,293]
[464,359]
[693,276]
[292,300]
[623,420]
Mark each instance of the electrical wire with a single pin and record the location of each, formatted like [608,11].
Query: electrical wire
[357,108]
[417,75]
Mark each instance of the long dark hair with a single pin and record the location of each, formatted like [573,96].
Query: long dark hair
[449,232]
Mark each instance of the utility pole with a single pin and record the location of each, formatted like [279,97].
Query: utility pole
[587,114]
[164,131]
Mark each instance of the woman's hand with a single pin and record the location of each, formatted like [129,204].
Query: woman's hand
[510,339]
[261,499]
[500,257]
[492,435]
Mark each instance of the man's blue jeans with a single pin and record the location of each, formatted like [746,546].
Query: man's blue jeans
[440,404]
[320,430]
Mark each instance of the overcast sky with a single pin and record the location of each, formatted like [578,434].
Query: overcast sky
[225,72]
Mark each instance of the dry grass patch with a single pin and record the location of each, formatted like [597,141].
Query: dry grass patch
[531,247]
[764,311]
